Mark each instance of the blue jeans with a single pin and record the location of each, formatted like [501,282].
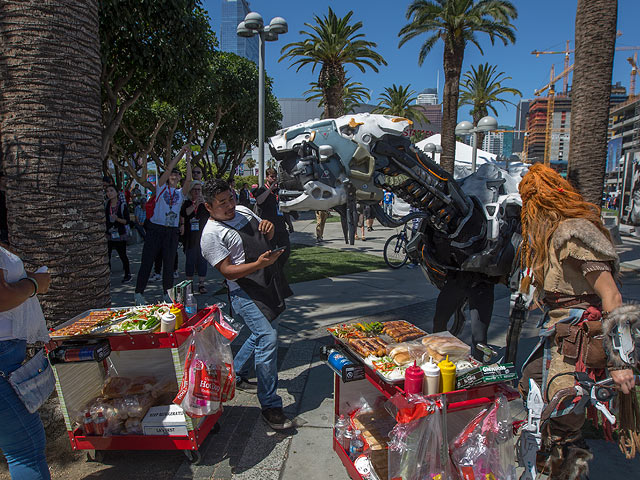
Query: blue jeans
[263,341]
[21,435]
[195,262]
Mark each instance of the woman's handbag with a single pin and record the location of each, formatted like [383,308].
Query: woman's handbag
[33,381]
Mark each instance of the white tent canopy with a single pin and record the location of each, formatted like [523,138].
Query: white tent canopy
[464,152]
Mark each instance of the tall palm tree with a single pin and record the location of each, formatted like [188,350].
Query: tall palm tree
[50,127]
[331,44]
[353,94]
[401,102]
[482,87]
[456,23]
[595,36]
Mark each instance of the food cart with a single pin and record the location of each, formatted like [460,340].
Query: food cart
[357,380]
[149,354]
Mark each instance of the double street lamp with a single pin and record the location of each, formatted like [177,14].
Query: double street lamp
[485,124]
[432,149]
[250,26]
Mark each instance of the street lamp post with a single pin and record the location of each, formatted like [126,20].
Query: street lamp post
[485,124]
[432,149]
[250,26]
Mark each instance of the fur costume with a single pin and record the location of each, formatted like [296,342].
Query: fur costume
[624,314]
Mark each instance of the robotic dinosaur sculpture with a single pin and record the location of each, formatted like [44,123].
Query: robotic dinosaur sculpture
[470,224]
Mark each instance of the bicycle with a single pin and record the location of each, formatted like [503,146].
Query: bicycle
[395,248]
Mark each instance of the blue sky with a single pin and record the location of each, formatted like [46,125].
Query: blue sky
[541,25]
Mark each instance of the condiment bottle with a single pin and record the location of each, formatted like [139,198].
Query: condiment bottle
[413,377]
[431,382]
[448,375]
[178,314]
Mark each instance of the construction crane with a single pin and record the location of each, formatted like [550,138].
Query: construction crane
[634,71]
[550,107]
[567,51]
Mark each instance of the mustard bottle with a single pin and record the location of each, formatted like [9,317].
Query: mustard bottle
[178,313]
[447,375]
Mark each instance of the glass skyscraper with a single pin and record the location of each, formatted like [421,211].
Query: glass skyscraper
[232,13]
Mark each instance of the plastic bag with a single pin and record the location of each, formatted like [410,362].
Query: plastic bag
[208,379]
[416,442]
[484,449]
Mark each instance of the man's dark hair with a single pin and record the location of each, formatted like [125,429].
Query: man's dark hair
[213,187]
[108,179]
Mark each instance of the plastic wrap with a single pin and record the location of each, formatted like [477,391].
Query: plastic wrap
[415,443]
[208,379]
[484,449]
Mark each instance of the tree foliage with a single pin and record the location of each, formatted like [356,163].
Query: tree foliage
[482,88]
[148,46]
[456,23]
[353,94]
[401,102]
[331,43]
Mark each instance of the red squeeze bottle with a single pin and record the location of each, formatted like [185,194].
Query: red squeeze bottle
[413,377]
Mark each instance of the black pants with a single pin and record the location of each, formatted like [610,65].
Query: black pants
[121,248]
[158,239]
[452,296]
[157,262]
[281,239]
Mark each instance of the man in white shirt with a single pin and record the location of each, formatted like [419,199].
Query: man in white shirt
[237,243]
[162,230]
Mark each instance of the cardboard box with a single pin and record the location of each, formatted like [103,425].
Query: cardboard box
[165,420]
[486,374]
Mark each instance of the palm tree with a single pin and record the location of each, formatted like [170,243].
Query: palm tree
[401,102]
[331,44]
[595,45]
[353,94]
[482,87]
[50,126]
[456,22]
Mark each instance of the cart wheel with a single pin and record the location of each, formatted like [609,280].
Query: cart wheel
[216,428]
[193,456]
[95,456]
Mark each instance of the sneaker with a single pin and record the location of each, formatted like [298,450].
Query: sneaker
[276,419]
[155,277]
[245,385]
[318,239]
[175,275]
[126,278]
[138,299]
[412,265]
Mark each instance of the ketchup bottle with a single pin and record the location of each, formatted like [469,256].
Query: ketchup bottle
[413,378]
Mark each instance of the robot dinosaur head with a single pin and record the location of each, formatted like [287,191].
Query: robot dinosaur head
[322,161]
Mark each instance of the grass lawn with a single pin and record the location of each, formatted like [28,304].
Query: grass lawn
[335,217]
[312,263]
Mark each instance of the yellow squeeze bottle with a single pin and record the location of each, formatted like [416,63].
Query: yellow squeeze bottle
[178,313]
[447,375]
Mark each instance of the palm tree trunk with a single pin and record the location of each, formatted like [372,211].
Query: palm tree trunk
[332,80]
[50,134]
[595,45]
[453,56]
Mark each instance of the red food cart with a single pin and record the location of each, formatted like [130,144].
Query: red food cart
[132,354]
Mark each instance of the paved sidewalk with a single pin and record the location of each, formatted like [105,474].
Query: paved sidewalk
[246,449]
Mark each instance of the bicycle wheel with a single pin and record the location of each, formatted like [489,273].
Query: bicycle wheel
[395,251]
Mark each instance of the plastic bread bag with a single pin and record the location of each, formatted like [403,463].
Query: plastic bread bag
[485,449]
[208,378]
[416,442]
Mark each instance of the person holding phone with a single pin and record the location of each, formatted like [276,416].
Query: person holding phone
[237,243]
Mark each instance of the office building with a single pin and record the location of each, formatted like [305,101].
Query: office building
[522,110]
[429,96]
[499,142]
[537,129]
[232,13]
